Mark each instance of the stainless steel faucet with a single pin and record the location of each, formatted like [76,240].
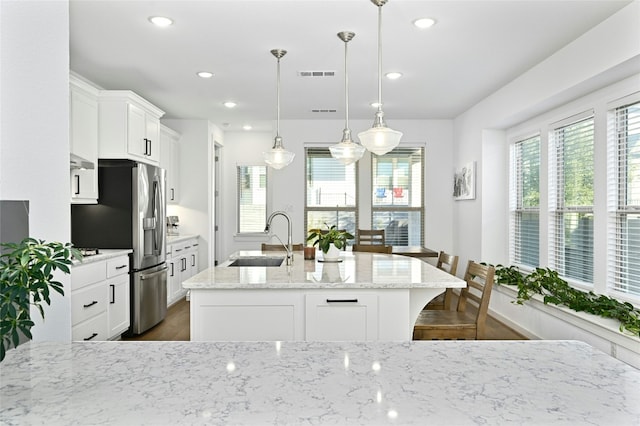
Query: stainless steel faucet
[288,247]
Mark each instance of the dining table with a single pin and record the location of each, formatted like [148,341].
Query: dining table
[414,251]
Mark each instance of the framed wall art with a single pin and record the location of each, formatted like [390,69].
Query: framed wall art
[464,182]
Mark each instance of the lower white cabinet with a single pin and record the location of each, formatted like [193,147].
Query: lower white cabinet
[182,262]
[341,316]
[100,303]
[277,314]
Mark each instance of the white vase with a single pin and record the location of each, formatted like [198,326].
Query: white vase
[332,254]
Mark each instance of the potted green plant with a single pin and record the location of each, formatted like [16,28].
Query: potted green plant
[26,279]
[330,241]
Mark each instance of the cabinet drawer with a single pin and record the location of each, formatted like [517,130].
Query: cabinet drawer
[88,302]
[117,266]
[84,275]
[91,330]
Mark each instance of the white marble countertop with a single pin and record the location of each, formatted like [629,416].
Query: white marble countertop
[104,254]
[305,383]
[356,270]
[171,239]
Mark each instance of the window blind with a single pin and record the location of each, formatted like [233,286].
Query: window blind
[330,191]
[623,232]
[571,200]
[524,202]
[252,198]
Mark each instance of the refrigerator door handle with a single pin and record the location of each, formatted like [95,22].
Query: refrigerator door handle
[158,234]
[153,274]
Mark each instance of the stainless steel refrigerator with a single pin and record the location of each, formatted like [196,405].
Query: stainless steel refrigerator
[131,213]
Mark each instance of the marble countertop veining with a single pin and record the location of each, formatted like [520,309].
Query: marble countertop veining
[355,270]
[313,383]
[104,254]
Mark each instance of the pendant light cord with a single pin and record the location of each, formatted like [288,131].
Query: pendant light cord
[278,100]
[380,58]
[346,88]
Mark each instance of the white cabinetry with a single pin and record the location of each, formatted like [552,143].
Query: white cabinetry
[341,316]
[182,261]
[275,314]
[100,299]
[170,161]
[83,140]
[129,127]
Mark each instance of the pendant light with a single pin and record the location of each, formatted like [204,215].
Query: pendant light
[278,157]
[380,139]
[347,151]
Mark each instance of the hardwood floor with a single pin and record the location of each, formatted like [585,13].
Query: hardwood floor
[176,326]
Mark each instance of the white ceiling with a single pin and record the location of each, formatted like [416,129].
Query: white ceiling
[476,47]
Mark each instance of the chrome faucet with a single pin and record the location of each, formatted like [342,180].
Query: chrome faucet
[288,247]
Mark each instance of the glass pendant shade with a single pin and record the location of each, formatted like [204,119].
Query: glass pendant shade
[278,157]
[380,139]
[347,151]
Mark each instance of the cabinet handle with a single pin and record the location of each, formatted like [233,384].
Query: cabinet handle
[113,294]
[147,146]
[171,269]
[193,260]
[91,337]
[77,191]
[173,195]
[177,250]
[196,245]
[91,304]
[121,266]
[183,261]
[342,300]
[187,247]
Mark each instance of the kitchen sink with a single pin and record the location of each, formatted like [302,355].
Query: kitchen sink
[257,261]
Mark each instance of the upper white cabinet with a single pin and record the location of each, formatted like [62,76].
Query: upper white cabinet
[129,127]
[169,160]
[83,140]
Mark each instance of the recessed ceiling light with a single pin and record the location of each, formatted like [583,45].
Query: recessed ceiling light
[393,75]
[230,104]
[161,21]
[247,127]
[423,23]
[205,74]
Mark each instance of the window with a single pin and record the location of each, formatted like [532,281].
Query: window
[571,199]
[331,192]
[252,198]
[624,200]
[397,206]
[525,202]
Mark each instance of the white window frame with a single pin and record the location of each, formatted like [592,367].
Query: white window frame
[621,256]
[238,199]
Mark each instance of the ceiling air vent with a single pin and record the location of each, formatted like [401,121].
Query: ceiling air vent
[316,73]
[323,110]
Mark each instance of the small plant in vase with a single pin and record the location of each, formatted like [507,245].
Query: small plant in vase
[330,241]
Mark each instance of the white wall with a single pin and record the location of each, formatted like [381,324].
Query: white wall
[287,185]
[34,135]
[607,53]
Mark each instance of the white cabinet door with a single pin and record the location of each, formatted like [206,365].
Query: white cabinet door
[170,161]
[152,135]
[137,132]
[83,141]
[341,315]
[173,280]
[118,308]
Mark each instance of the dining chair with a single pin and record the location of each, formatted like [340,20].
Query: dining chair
[460,324]
[377,248]
[370,236]
[448,263]
[280,247]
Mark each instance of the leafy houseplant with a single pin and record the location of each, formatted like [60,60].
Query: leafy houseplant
[324,238]
[26,278]
[555,290]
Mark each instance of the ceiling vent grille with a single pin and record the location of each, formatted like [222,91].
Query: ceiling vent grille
[323,110]
[316,73]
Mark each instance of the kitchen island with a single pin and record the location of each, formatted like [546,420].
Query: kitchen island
[364,296]
[317,383]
